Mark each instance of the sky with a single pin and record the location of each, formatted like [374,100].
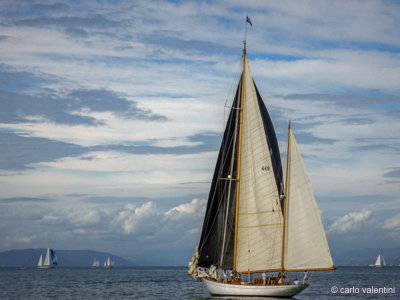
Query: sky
[111,115]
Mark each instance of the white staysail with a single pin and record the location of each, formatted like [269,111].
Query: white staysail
[306,246]
[259,235]
[40,262]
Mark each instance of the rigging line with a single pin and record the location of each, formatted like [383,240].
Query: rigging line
[235,78]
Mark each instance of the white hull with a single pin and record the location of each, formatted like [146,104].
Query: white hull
[46,267]
[223,289]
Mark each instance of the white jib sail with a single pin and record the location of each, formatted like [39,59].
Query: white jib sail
[306,246]
[259,236]
[40,262]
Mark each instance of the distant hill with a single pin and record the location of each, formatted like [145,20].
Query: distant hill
[66,258]
[367,256]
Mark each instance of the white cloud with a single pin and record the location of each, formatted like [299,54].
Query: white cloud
[392,223]
[196,207]
[26,239]
[132,218]
[351,221]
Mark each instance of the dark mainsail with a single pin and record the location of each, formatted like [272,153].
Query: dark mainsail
[221,203]
[219,222]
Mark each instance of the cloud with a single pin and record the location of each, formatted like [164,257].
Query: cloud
[89,21]
[132,218]
[26,239]
[394,173]
[392,223]
[24,199]
[350,222]
[12,80]
[18,152]
[114,228]
[49,106]
[309,138]
[196,207]
[348,100]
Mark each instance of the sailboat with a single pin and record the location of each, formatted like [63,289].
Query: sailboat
[108,263]
[255,223]
[380,261]
[50,260]
[96,263]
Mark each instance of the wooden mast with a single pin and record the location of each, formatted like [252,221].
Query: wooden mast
[242,95]
[284,201]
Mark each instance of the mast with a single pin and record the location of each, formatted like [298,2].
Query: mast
[242,95]
[284,201]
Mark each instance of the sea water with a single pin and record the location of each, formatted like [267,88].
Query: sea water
[174,283]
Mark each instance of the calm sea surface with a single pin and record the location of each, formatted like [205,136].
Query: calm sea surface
[174,283]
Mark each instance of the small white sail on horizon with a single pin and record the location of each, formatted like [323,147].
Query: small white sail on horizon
[96,263]
[380,261]
[108,263]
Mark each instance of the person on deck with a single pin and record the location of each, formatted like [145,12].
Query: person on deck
[264,277]
[281,277]
[305,278]
[230,275]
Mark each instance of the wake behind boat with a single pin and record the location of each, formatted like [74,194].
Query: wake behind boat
[255,223]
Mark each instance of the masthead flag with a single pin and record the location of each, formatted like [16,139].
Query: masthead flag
[248,20]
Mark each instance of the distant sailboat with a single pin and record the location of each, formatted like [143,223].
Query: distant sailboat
[50,260]
[254,223]
[380,261]
[108,263]
[96,263]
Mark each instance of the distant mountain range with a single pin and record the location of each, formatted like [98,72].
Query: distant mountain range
[367,256]
[84,258]
[66,258]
